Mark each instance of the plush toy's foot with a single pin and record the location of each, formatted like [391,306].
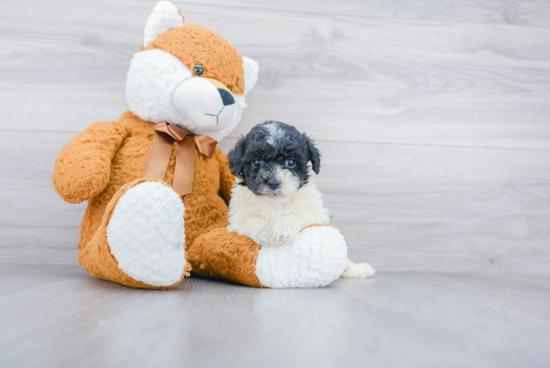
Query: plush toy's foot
[316,258]
[358,270]
[140,242]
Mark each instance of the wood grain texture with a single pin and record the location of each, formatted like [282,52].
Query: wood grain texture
[387,80]
[432,118]
[400,207]
[59,316]
[534,13]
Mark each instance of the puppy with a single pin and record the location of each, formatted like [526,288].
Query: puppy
[275,197]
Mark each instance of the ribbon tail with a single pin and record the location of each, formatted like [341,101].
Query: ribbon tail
[159,156]
[185,166]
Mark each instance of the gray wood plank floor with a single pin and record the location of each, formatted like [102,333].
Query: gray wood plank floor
[59,316]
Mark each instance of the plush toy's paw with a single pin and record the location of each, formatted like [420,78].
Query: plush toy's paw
[146,234]
[277,232]
[316,257]
[358,270]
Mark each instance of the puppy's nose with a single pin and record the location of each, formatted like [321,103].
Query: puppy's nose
[273,183]
[227,97]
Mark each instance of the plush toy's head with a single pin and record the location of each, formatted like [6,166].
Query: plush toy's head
[188,75]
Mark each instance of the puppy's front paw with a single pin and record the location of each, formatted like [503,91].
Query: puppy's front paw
[263,239]
[277,233]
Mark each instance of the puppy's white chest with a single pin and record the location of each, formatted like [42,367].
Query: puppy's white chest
[273,210]
[249,214]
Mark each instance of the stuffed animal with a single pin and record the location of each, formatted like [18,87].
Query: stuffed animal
[156,185]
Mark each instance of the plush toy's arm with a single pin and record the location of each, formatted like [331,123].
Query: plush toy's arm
[227,180]
[83,167]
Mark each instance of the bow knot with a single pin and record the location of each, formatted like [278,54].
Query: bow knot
[161,148]
[174,131]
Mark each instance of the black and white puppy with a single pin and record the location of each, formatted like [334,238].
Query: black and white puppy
[275,197]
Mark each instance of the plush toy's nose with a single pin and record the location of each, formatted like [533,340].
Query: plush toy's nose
[227,97]
[225,93]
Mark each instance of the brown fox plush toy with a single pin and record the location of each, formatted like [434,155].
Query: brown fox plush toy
[156,185]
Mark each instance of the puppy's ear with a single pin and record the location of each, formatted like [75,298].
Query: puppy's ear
[313,154]
[236,157]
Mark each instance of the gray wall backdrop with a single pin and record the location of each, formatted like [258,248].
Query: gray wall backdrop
[432,117]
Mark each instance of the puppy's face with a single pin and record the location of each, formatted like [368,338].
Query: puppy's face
[272,160]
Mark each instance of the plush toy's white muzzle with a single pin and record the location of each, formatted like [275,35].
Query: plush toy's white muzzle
[205,102]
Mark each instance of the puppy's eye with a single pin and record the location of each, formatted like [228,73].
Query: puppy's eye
[290,163]
[199,70]
[257,163]
[229,87]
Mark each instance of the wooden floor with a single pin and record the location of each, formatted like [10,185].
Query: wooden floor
[58,316]
[433,117]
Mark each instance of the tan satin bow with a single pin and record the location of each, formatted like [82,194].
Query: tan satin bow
[161,148]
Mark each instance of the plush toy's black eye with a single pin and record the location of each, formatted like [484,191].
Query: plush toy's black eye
[199,70]
[290,163]
[228,87]
[257,163]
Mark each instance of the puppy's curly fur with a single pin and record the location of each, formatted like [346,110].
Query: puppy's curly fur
[276,196]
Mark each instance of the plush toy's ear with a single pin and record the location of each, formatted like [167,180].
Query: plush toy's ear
[313,154]
[165,16]
[251,70]
[236,158]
